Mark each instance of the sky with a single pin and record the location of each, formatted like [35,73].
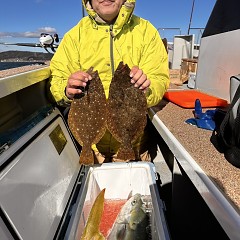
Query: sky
[23,21]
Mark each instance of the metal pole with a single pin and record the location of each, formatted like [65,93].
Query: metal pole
[190,21]
[83,12]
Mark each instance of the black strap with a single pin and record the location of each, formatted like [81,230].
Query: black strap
[225,121]
[236,128]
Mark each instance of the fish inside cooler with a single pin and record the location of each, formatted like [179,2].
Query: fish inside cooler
[120,181]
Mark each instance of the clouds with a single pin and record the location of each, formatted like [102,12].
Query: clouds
[29,34]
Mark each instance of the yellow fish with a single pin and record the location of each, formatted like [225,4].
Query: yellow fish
[132,221]
[92,231]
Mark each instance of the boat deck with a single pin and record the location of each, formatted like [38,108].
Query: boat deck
[216,180]
[197,143]
[23,69]
[195,140]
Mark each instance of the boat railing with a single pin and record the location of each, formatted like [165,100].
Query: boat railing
[170,32]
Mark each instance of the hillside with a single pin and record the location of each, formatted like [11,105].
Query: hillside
[24,56]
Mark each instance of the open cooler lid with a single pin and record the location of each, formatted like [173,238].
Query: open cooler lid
[37,183]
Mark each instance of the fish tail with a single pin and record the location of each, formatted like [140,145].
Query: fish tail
[96,236]
[125,154]
[86,156]
[91,230]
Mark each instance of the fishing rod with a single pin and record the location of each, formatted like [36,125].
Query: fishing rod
[46,41]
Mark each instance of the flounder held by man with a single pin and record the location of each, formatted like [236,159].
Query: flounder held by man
[87,117]
[127,112]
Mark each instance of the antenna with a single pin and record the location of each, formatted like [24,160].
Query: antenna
[83,11]
[190,21]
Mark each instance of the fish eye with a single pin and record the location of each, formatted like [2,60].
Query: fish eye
[133,202]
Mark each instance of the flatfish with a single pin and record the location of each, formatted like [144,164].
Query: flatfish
[87,117]
[127,112]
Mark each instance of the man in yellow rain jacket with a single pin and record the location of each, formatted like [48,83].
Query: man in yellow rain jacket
[108,35]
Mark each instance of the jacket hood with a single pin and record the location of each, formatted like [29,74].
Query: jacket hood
[126,11]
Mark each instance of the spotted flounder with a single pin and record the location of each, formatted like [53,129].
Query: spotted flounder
[87,117]
[127,112]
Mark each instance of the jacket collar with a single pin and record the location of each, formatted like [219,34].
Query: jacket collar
[124,15]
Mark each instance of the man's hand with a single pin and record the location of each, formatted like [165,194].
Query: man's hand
[76,80]
[139,79]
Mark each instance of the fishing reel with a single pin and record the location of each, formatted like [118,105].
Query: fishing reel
[47,41]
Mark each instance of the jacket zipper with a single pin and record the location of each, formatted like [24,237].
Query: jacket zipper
[112,67]
[111,48]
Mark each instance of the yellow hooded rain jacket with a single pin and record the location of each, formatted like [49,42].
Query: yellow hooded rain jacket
[131,39]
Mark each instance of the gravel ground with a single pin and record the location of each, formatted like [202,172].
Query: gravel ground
[14,71]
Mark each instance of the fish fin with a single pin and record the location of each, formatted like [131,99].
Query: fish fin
[125,154]
[86,156]
[91,230]
[130,194]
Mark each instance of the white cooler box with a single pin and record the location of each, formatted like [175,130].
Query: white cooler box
[43,188]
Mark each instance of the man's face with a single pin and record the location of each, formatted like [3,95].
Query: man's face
[107,9]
